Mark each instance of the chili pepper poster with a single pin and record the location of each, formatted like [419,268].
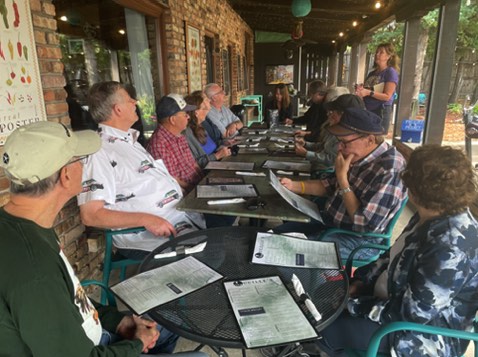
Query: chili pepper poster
[21,93]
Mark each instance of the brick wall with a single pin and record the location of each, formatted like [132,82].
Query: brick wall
[212,17]
[67,225]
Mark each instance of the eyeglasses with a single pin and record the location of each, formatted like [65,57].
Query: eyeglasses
[220,92]
[346,142]
[330,112]
[82,159]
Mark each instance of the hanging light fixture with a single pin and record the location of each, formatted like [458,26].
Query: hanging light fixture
[301,8]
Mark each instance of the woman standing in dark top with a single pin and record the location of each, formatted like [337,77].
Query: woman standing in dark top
[282,103]
[380,85]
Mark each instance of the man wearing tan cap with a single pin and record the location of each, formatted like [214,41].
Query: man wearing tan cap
[366,190]
[44,310]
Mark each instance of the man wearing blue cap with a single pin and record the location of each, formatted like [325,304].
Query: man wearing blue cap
[366,190]
[169,144]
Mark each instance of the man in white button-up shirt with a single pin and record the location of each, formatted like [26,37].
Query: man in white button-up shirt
[123,186]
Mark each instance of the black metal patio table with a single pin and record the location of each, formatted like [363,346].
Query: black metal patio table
[206,316]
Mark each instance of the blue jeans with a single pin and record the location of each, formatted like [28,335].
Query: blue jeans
[165,344]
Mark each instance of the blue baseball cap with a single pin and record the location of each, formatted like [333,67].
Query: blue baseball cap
[357,121]
[172,104]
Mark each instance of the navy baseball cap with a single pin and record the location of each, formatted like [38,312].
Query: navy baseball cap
[172,104]
[345,101]
[357,121]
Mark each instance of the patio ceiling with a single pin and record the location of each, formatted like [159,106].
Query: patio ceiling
[328,18]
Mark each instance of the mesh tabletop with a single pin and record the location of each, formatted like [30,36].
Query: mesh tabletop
[206,316]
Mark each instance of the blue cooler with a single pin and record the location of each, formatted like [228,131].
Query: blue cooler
[412,131]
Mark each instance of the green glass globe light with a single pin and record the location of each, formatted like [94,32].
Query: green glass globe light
[301,8]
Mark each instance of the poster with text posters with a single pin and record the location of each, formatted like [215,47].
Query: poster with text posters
[21,93]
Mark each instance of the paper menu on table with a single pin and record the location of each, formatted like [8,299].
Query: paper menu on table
[298,202]
[155,287]
[229,165]
[280,250]
[226,191]
[266,312]
[287,165]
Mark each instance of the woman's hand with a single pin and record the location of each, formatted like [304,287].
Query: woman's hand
[288,121]
[223,151]
[299,140]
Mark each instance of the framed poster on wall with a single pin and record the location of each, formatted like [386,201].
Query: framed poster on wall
[21,92]
[193,55]
[280,74]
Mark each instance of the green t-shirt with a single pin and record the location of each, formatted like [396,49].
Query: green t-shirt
[38,316]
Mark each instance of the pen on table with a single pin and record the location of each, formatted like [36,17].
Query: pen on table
[226,201]
[245,173]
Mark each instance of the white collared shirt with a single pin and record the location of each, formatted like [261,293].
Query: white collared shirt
[127,178]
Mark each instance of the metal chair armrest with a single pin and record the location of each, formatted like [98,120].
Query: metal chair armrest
[350,259]
[412,326]
[107,292]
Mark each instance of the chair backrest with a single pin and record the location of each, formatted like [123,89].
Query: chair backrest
[391,225]
[104,290]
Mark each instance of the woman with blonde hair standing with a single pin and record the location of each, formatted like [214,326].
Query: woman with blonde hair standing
[380,85]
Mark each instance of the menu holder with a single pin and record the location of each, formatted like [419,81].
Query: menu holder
[224,180]
[287,165]
[230,165]
[266,312]
[249,150]
[226,191]
[156,287]
[286,251]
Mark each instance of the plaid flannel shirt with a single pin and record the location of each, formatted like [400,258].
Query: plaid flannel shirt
[375,180]
[174,151]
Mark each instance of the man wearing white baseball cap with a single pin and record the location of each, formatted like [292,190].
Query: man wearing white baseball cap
[44,310]
[123,185]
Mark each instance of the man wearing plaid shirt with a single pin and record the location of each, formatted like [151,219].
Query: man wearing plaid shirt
[169,144]
[366,190]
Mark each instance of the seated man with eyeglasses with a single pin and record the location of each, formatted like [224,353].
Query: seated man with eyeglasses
[366,190]
[227,122]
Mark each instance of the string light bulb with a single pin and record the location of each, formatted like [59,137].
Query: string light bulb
[378,5]
[341,34]
[121,31]
[354,23]
[64,18]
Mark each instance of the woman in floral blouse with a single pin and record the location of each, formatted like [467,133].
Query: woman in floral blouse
[430,274]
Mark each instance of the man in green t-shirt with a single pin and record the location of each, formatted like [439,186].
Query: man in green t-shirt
[44,311]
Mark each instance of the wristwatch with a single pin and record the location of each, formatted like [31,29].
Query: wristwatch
[372,93]
[343,191]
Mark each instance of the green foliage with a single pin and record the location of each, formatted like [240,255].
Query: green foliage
[391,33]
[455,108]
[148,109]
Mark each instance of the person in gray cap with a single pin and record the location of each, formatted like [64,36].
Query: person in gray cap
[44,310]
[366,190]
[124,186]
[169,144]
[322,154]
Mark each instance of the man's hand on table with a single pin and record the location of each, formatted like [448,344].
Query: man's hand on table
[157,225]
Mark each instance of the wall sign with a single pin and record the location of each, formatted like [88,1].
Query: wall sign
[193,55]
[21,93]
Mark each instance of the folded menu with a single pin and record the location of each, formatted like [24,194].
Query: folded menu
[226,191]
[281,250]
[150,289]
[266,312]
